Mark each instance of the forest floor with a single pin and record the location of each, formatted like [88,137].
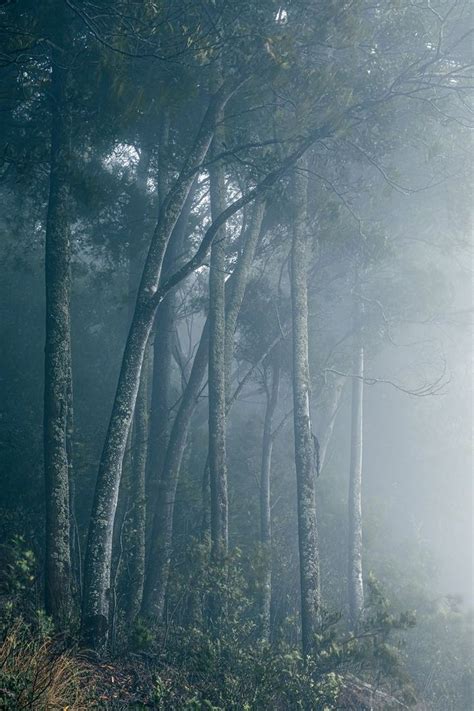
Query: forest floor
[126,683]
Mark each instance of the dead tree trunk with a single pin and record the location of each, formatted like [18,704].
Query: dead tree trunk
[304,449]
[355,580]
[57,370]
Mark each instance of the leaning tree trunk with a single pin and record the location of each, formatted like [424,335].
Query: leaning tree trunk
[160,546]
[304,449]
[136,215]
[265,496]
[355,581]
[162,371]
[217,376]
[57,386]
[97,571]
[97,597]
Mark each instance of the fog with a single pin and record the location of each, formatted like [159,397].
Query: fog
[236,349]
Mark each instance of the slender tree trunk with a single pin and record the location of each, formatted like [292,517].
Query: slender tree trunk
[327,413]
[265,497]
[136,214]
[57,386]
[74,537]
[97,570]
[181,425]
[235,291]
[160,546]
[304,450]
[162,369]
[162,344]
[355,581]
[217,376]
[135,522]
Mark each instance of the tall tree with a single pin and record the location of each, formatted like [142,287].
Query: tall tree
[271,392]
[304,447]
[57,370]
[217,373]
[355,580]
[163,343]
[161,539]
[99,543]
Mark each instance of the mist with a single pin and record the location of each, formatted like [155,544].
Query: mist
[236,383]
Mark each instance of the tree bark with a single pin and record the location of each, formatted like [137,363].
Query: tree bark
[136,519]
[57,386]
[304,450]
[97,570]
[272,394]
[217,376]
[355,580]
[74,537]
[136,215]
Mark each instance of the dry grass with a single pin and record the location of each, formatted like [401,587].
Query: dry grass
[34,676]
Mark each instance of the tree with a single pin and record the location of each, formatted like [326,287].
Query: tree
[217,377]
[271,393]
[304,447]
[355,580]
[161,539]
[99,546]
[57,367]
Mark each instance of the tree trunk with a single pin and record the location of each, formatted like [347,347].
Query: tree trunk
[326,413]
[217,376]
[97,570]
[162,370]
[235,291]
[304,450]
[135,521]
[355,581]
[265,496]
[178,437]
[57,386]
[136,214]
[160,546]
[74,537]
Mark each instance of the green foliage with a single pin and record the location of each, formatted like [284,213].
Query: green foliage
[209,660]
[18,576]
